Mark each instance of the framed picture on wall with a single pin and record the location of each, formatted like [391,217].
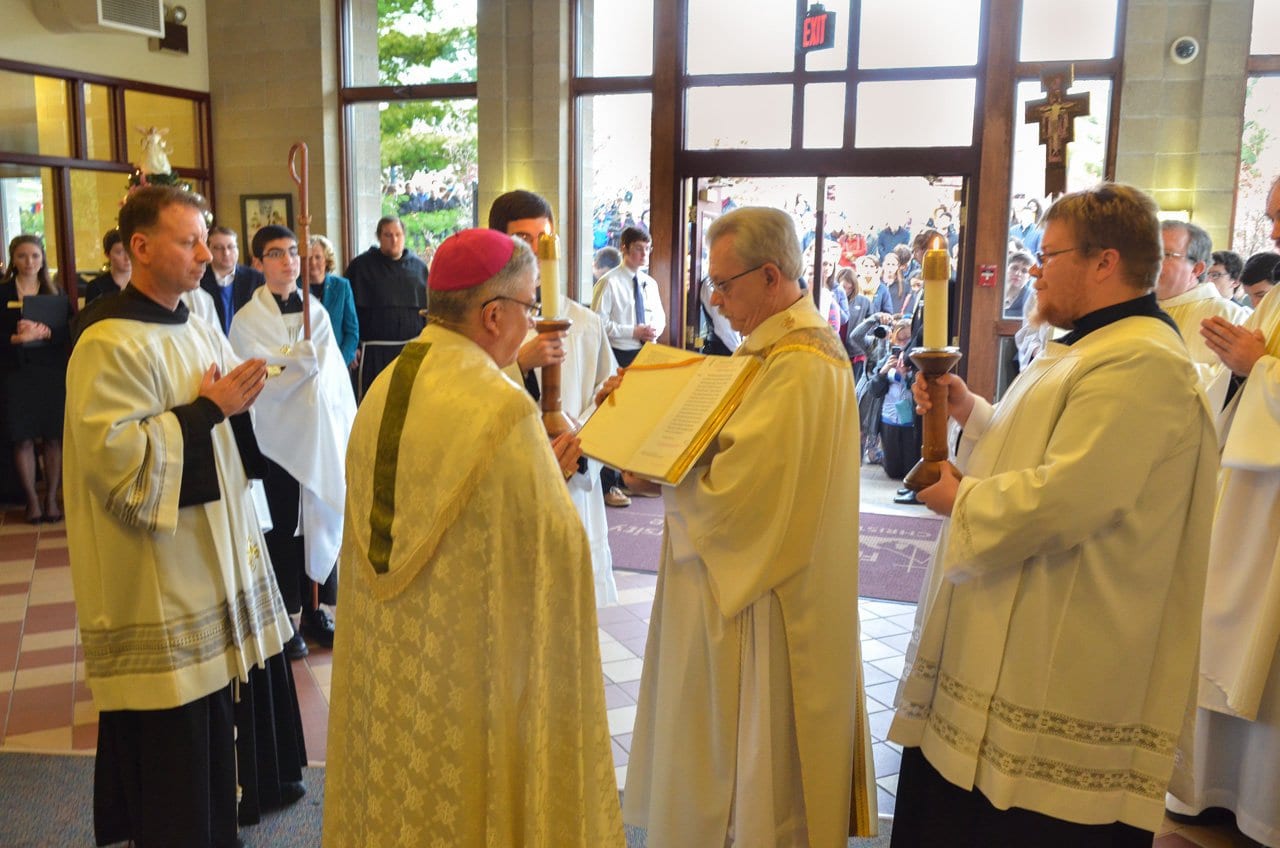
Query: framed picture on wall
[259,210]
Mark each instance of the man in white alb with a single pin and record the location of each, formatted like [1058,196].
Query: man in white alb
[1183,293]
[1237,751]
[174,592]
[302,423]
[1050,674]
[751,726]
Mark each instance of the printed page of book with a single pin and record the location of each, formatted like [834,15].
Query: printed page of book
[660,415]
[619,426]
[686,422]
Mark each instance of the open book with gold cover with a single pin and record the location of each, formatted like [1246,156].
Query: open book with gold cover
[671,404]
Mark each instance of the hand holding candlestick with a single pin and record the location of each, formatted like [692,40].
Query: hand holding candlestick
[934,360]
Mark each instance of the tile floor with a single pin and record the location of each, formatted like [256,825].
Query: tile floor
[45,705]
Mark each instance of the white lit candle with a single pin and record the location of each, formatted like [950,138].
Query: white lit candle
[937,271]
[549,266]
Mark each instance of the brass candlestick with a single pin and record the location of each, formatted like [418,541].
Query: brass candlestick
[934,451]
[553,417]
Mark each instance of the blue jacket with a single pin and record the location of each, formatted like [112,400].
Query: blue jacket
[341,306]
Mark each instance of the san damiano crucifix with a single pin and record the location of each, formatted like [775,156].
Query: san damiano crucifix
[1056,113]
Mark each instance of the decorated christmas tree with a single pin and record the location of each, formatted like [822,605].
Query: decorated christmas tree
[155,168]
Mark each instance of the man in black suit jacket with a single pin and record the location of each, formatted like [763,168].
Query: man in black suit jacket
[229,283]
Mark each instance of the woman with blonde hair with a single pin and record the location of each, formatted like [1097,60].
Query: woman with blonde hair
[335,294]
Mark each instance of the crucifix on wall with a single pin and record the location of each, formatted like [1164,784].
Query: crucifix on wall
[1056,113]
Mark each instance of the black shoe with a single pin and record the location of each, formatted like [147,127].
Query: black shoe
[295,648]
[318,627]
[1210,816]
[292,792]
[909,498]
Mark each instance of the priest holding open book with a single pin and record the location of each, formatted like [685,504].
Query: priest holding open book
[750,718]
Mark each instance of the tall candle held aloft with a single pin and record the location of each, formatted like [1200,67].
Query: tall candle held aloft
[937,270]
[549,266]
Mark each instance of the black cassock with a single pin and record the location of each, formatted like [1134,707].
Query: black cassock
[390,295]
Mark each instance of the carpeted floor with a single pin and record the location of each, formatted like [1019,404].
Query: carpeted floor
[636,837]
[635,535]
[894,553]
[893,550]
[46,801]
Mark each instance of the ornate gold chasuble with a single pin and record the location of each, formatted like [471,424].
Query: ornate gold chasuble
[467,707]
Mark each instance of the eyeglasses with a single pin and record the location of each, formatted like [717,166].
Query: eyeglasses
[1169,254]
[1042,258]
[530,309]
[1217,275]
[281,253]
[722,286]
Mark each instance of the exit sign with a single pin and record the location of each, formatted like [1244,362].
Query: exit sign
[817,29]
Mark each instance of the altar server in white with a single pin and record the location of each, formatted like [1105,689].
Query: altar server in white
[751,727]
[1051,672]
[302,422]
[174,594]
[1182,291]
[1237,752]
[585,363]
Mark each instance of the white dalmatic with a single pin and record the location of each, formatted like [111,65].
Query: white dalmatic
[1237,742]
[303,417]
[1242,597]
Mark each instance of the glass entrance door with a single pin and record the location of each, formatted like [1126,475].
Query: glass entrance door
[862,224]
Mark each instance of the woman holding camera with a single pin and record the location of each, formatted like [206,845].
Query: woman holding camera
[892,382]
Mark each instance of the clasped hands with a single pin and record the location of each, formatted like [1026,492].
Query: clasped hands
[31,331]
[1238,347]
[237,391]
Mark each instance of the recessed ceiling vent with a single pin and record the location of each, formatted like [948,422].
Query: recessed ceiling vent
[144,17]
